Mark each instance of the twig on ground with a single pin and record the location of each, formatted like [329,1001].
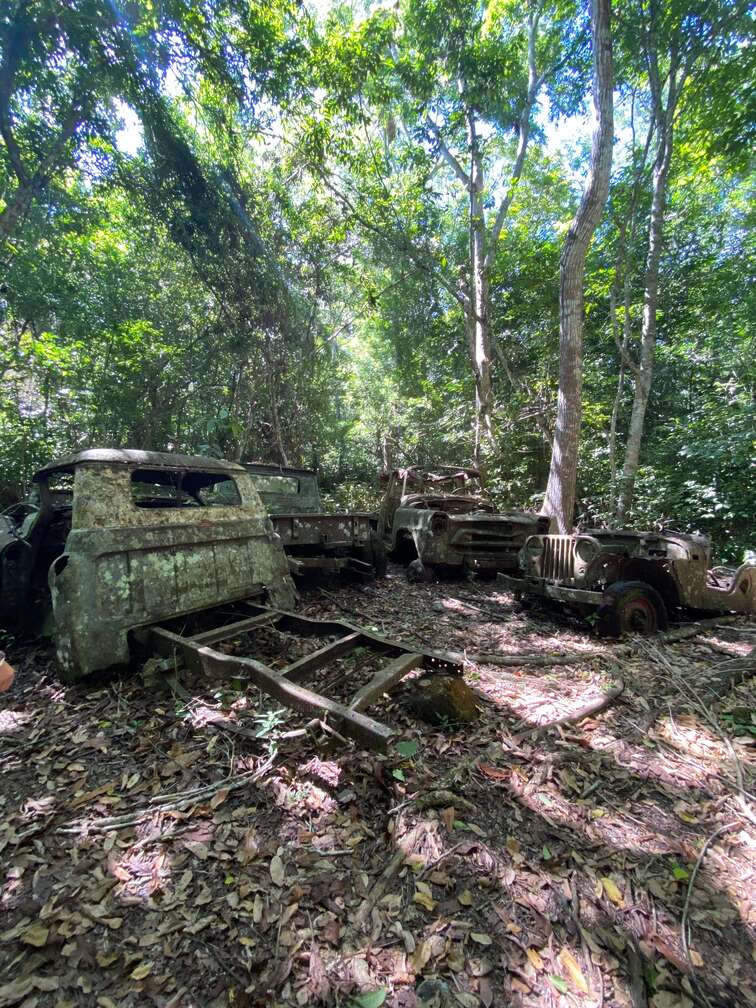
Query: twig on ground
[442,857]
[348,609]
[176,803]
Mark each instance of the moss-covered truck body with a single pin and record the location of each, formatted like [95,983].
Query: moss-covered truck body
[316,541]
[152,536]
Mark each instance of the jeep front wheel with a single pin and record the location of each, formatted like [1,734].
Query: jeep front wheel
[418,571]
[631,607]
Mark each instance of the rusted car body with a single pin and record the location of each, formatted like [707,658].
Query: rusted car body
[443,518]
[125,538]
[632,580]
[314,540]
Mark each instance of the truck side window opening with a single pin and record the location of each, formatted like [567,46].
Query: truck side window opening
[276,484]
[153,488]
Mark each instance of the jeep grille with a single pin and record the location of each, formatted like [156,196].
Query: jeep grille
[558,558]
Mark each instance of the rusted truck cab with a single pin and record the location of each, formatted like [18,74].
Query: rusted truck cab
[443,518]
[128,538]
[316,541]
[631,580]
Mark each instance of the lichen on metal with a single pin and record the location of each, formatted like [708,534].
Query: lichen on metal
[145,540]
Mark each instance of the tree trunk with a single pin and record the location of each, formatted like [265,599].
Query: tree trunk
[478,329]
[650,297]
[18,207]
[275,418]
[559,501]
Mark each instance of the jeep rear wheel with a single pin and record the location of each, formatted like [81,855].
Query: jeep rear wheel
[631,607]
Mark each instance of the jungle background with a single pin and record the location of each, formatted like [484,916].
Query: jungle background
[245,229]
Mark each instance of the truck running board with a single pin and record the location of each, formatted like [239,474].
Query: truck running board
[284,684]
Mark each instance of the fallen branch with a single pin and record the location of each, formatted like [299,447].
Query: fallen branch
[590,707]
[537,659]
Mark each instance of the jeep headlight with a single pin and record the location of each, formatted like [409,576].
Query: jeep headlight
[534,546]
[586,550]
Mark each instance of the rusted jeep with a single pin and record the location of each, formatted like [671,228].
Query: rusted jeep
[143,551]
[443,518]
[631,580]
[314,540]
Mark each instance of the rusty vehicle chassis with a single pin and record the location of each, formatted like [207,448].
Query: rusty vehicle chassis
[199,653]
[323,542]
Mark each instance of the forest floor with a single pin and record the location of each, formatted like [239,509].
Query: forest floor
[151,857]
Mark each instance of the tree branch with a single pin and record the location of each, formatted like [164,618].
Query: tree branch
[447,155]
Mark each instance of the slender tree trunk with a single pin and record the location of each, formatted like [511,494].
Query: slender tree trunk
[275,418]
[559,501]
[622,281]
[617,403]
[478,328]
[650,297]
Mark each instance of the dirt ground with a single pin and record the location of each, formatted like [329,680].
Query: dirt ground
[153,857]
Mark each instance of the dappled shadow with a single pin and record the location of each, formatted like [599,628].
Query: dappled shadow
[578,854]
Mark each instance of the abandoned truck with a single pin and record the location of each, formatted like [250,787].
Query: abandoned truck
[442,518]
[631,580]
[314,540]
[143,551]
[116,538]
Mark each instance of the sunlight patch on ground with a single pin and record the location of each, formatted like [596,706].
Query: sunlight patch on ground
[11,721]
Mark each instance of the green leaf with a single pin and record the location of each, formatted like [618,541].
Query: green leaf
[559,983]
[407,748]
[679,873]
[374,999]
[546,853]
[398,775]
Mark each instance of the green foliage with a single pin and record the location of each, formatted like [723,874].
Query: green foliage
[276,273]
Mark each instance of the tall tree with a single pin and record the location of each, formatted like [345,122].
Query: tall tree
[445,96]
[559,501]
[677,47]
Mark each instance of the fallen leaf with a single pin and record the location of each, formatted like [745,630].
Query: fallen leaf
[447,817]
[465,898]
[142,970]
[277,872]
[407,748]
[424,900]
[373,999]
[219,798]
[481,939]
[559,983]
[534,958]
[612,891]
[36,935]
[199,850]
[572,968]
[492,772]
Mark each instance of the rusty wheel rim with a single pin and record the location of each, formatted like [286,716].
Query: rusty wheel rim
[639,616]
